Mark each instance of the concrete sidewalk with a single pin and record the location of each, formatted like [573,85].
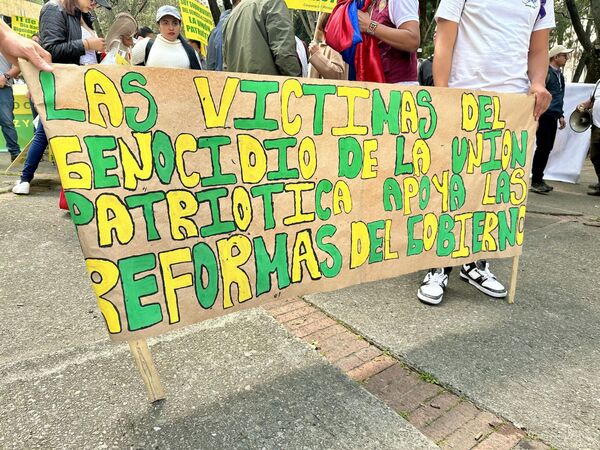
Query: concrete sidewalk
[241,381]
[535,363]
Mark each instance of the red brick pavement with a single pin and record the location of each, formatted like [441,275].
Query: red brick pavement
[448,420]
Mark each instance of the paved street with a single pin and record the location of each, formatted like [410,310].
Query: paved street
[245,381]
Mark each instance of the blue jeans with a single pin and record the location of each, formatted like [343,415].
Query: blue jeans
[7,103]
[35,153]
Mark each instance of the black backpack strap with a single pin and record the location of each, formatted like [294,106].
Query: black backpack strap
[147,51]
[191,53]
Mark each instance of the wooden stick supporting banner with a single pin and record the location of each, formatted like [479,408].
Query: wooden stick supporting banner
[317,32]
[143,360]
[513,280]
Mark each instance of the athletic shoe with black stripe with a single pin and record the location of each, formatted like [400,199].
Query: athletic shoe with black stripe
[478,275]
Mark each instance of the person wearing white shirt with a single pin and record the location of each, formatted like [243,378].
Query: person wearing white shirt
[169,49]
[497,46]
[302,56]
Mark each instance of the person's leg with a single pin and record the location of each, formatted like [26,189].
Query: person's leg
[34,156]
[545,136]
[595,158]
[478,274]
[34,112]
[35,153]
[7,123]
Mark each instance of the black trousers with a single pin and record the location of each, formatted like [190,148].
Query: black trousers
[546,133]
[595,150]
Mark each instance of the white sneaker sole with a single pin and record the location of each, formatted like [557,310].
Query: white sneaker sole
[429,300]
[482,288]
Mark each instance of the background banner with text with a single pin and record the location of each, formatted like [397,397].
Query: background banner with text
[197,20]
[25,26]
[312,5]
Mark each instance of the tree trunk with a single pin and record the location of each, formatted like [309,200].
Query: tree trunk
[423,16]
[593,66]
[584,38]
[593,73]
[214,10]
[579,69]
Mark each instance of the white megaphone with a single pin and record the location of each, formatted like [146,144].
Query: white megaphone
[580,121]
[124,25]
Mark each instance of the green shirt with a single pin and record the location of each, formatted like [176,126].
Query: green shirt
[258,37]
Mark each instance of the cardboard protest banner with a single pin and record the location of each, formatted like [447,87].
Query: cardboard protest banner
[25,26]
[312,5]
[197,21]
[199,193]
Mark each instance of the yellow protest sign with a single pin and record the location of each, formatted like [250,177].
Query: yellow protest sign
[312,5]
[25,26]
[197,20]
[232,190]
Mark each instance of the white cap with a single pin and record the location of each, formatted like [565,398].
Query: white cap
[167,10]
[557,50]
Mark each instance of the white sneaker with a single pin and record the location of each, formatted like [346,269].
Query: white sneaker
[483,279]
[433,287]
[21,188]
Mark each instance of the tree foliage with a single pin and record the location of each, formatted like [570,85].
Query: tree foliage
[427,10]
[143,11]
[584,16]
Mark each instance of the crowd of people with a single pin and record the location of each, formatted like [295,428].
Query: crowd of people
[479,44]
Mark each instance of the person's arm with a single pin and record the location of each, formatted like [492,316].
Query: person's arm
[14,72]
[406,37]
[447,31]
[537,68]
[588,104]
[327,68]
[211,51]
[13,46]
[562,123]
[11,73]
[280,32]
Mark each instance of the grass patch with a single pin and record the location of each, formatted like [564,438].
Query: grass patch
[428,378]
[405,415]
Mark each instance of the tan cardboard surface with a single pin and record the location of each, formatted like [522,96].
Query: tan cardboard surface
[199,193]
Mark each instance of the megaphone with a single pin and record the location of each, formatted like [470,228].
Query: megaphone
[124,25]
[580,121]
